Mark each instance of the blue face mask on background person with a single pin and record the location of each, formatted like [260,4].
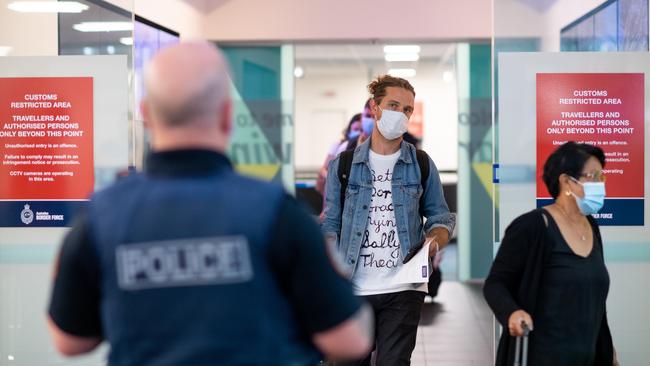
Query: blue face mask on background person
[367,124]
[594,198]
[353,134]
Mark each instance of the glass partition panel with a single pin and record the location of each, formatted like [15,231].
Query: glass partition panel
[542,99]
[66,111]
[262,90]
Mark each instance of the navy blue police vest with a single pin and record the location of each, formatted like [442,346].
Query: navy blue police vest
[185,278]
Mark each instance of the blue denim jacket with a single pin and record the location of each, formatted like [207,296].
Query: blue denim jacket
[407,189]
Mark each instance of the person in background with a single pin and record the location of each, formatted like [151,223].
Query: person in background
[549,273]
[378,220]
[351,132]
[367,120]
[367,124]
[190,263]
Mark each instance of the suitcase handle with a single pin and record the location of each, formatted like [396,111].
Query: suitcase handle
[521,353]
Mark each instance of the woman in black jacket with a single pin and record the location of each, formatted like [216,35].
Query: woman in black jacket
[550,273]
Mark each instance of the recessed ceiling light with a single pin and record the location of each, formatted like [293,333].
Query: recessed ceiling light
[47,6]
[298,72]
[103,26]
[396,57]
[402,73]
[402,49]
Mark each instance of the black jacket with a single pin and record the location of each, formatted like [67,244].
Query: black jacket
[515,277]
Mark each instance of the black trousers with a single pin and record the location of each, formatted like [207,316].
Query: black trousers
[396,326]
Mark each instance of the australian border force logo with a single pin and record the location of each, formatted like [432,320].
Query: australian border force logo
[184,262]
[26,215]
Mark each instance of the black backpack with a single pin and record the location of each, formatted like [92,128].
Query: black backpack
[345,165]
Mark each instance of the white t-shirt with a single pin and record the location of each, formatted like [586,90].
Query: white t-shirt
[380,255]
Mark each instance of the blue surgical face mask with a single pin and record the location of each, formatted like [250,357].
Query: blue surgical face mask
[353,134]
[367,124]
[594,198]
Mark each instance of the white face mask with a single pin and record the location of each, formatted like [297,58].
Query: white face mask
[392,124]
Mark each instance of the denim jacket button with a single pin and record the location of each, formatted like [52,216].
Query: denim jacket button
[358,233]
[365,207]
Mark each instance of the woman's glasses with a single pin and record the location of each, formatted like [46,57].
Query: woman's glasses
[594,176]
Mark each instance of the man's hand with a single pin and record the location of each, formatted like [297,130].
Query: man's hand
[434,247]
[438,235]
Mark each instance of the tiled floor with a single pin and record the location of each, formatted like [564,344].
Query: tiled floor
[455,330]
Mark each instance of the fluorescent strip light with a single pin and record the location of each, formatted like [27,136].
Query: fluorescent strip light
[402,73]
[396,57]
[103,26]
[4,50]
[47,6]
[127,41]
[402,49]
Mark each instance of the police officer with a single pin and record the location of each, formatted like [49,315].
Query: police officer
[190,263]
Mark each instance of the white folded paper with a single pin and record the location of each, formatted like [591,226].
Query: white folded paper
[416,270]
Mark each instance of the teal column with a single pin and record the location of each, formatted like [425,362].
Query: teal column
[262,90]
[475,201]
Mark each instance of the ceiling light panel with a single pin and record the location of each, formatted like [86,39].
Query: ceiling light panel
[103,26]
[402,73]
[401,49]
[396,57]
[47,6]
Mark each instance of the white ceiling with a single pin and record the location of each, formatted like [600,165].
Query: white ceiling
[539,5]
[205,6]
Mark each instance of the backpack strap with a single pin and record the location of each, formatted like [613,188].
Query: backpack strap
[345,166]
[423,163]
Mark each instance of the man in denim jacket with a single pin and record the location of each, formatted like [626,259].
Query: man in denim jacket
[380,221]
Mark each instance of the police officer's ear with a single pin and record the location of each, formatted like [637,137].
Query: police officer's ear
[146,115]
[225,117]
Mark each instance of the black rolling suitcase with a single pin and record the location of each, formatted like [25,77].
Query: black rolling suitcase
[521,348]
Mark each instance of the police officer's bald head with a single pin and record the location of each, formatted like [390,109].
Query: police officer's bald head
[187,94]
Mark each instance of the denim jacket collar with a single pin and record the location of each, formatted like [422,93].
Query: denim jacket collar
[362,152]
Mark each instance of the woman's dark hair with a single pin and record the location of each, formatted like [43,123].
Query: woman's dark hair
[569,159]
[356,117]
